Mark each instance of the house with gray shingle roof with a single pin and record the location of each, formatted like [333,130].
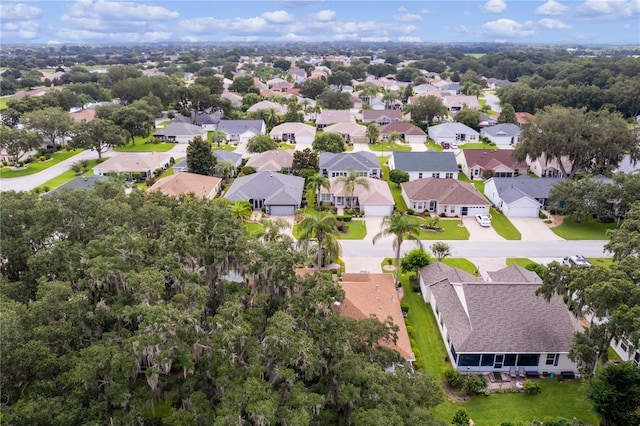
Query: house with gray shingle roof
[82,182]
[280,194]
[504,134]
[426,164]
[180,132]
[364,163]
[240,131]
[519,197]
[491,326]
[453,132]
[445,197]
[514,274]
[333,116]
[202,119]
[438,271]
[381,117]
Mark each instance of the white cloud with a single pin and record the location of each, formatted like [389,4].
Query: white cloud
[18,12]
[324,15]
[552,7]
[402,9]
[293,37]
[111,10]
[609,9]
[277,16]
[84,35]
[214,25]
[461,29]
[425,11]
[507,28]
[495,6]
[408,17]
[554,24]
[21,30]
[409,39]
[374,39]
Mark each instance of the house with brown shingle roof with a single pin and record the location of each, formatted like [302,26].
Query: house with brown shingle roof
[187,183]
[381,116]
[367,294]
[272,161]
[376,200]
[350,132]
[474,162]
[333,116]
[445,197]
[524,117]
[408,132]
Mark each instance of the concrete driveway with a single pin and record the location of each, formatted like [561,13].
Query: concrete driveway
[479,233]
[534,229]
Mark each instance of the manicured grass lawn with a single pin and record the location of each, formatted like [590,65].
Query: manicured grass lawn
[357,231]
[389,147]
[461,263]
[451,230]
[605,262]
[477,146]
[434,146]
[570,230]
[253,227]
[520,261]
[3,102]
[396,191]
[37,166]
[225,147]
[163,123]
[286,146]
[67,176]
[140,146]
[479,184]
[503,226]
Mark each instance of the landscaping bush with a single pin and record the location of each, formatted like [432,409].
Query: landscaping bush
[28,160]
[150,181]
[474,384]
[46,188]
[405,307]
[419,360]
[350,212]
[344,218]
[453,377]
[411,212]
[542,215]
[248,170]
[137,176]
[172,161]
[4,163]
[42,158]
[411,332]
[414,283]
[531,387]
[20,163]
[158,171]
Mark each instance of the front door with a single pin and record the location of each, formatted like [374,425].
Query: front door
[432,205]
[498,361]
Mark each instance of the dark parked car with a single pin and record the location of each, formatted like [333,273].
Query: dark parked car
[445,145]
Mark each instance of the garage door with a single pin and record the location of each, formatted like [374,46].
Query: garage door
[282,210]
[521,212]
[474,210]
[378,210]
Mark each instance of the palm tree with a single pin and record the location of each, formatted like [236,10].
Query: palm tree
[388,97]
[217,137]
[241,210]
[271,118]
[401,227]
[225,169]
[368,92]
[272,230]
[316,183]
[373,132]
[350,181]
[394,136]
[321,227]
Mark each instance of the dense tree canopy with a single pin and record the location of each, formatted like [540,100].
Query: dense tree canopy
[114,304]
[335,100]
[261,143]
[427,108]
[329,142]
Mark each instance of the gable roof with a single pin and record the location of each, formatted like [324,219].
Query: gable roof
[274,160]
[266,105]
[222,155]
[503,129]
[513,189]
[425,161]
[406,128]
[354,130]
[331,116]
[81,182]
[134,162]
[298,129]
[438,271]
[176,128]
[514,274]
[241,126]
[274,188]
[378,192]
[374,114]
[524,322]
[375,294]
[359,160]
[450,130]
[524,117]
[185,183]
[203,118]
[444,191]
[490,159]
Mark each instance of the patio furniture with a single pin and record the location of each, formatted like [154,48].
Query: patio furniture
[568,374]
[521,372]
[512,372]
[532,375]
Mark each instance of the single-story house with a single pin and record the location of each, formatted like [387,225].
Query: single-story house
[367,294]
[489,326]
[267,105]
[425,164]
[505,134]
[81,182]
[381,117]
[458,102]
[374,201]
[351,132]
[280,194]
[410,133]
[298,133]
[241,131]
[234,98]
[519,197]
[202,119]
[514,274]
[144,163]
[223,155]
[438,271]
[445,197]
[626,350]
[333,116]
[185,183]
[180,132]
[272,161]
[628,165]
[524,118]
[548,168]
[363,163]
[453,132]
[474,162]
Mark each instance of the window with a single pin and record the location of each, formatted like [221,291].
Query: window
[623,345]
[452,209]
[453,353]
[528,360]
[435,175]
[449,175]
[420,175]
[636,358]
[510,360]
[552,359]
[487,360]
[469,360]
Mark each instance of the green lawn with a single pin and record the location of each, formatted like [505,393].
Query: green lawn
[357,231]
[477,146]
[286,146]
[565,399]
[461,263]
[140,146]
[389,147]
[253,227]
[503,226]
[605,262]
[225,147]
[37,166]
[452,230]
[571,230]
[67,176]
[479,184]
[520,261]
[396,191]
[3,102]
[434,146]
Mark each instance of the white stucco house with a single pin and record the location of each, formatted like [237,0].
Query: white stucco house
[522,196]
[453,132]
[505,134]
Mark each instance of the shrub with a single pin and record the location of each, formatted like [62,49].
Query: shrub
[405,308]
[453,377]
[76,168]
[150,181]
[248,170]
[46,188]
[474,384]
[340,225]
[411,212]
[85,164]
[460,418]
[350,212]
[42,158]
[137,176]
[28,160]
[542,215]
[158,171]
[443,214]
[47,156]
[4,163]
[531,387]
[411,332]
[389,261]
[414,283]
[36,190]
[20,163]
[172,161]
[344,218]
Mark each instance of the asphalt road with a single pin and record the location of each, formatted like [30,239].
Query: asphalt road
[493,101]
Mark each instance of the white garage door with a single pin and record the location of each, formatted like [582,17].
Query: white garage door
[521,212]
[474,210]
[282,210]
[378,210]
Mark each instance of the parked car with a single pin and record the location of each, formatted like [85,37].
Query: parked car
[576,260]
[483,220]
[453,145]
[445,145]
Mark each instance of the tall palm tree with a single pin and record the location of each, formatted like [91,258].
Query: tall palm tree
[225,169]
[394,137]
[273,230]
[373,132]
[217,137]
[321,227]
[350,181]
[368,92]
[388,97]
[316,183]
[402,228]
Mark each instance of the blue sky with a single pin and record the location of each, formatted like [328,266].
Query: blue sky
[109,21]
